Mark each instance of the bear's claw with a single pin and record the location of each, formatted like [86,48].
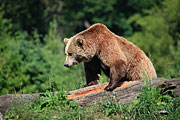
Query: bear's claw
[109,88]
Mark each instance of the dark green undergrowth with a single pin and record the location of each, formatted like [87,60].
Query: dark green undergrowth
[149,105]
[31,43]
[32,66]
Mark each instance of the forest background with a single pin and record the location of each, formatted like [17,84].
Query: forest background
[32,32]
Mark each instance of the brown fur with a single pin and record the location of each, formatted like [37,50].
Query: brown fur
[101,49]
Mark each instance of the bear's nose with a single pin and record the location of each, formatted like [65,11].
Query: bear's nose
[66,65]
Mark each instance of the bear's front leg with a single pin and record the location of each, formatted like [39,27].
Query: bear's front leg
[92,69]
[117,74]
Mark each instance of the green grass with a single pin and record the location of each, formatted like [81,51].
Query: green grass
[146,106]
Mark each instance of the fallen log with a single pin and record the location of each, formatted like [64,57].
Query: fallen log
[94,94]
[123,94]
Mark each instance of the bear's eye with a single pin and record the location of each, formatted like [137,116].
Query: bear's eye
[79,42]
[70,54]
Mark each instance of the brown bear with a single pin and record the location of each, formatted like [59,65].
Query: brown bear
[100,49]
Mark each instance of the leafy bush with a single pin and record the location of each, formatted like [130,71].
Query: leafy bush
[48,106]
[31,66]
[19,66]
[158,37]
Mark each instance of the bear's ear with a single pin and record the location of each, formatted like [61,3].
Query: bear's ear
[80,42]
[66,40]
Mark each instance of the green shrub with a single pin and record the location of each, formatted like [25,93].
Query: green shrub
[158,37]
[32,66]
[48,106]
[24,66]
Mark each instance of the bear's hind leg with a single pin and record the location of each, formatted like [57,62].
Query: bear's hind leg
[92,69]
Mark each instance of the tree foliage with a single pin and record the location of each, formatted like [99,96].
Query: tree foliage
[30,66]
[159,36]
[113,13]
[31,34]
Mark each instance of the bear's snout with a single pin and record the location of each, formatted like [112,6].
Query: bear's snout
[66,65]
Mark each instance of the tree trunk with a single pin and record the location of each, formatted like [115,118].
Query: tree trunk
[94,94]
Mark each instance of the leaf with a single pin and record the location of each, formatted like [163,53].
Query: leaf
[135,101]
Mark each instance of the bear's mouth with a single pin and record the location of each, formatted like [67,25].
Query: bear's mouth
[79,59]
[75,63]
[83,60]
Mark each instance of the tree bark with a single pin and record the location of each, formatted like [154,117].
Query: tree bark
[124,94]
[96,93]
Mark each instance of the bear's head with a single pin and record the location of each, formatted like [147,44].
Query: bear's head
[79,48]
